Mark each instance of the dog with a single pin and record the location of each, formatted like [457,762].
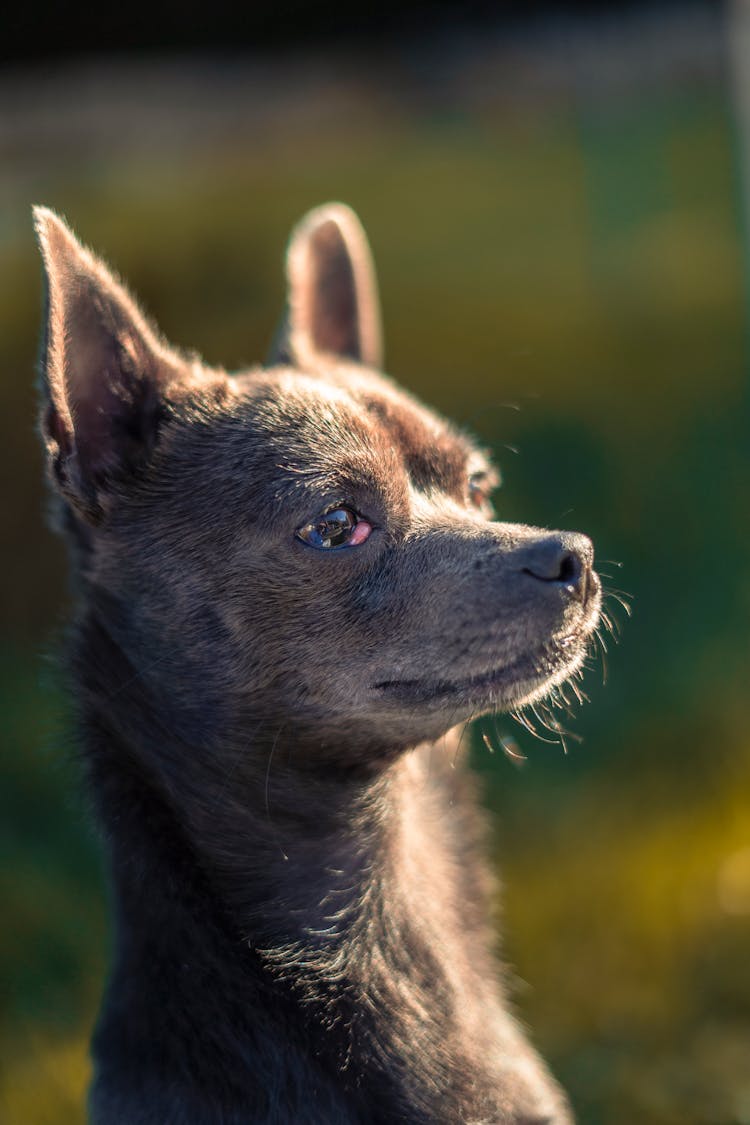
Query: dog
[291,595]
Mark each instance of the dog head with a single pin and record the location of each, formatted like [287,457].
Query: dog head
[303,543]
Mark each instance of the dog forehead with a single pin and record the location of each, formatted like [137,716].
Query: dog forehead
[350,414]
[301,419]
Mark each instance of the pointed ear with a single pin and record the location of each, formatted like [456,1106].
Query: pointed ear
[103,370]
[332,298]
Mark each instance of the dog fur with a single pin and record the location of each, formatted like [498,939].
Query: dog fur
[270,719]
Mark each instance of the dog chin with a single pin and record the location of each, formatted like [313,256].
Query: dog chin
[525,680]
[532,690]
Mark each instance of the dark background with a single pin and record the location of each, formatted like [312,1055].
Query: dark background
[48,30]
[557,199]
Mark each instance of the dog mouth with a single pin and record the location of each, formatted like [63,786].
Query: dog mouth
[508,685]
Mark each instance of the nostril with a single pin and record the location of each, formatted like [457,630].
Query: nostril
[571,568]
[564,567]
[559,564]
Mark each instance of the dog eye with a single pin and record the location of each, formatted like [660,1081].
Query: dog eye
[340,527]
[479,490]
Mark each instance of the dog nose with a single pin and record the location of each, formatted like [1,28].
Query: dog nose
[563,560]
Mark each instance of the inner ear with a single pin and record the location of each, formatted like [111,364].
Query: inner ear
[332,300]
[104,369]
[330,295]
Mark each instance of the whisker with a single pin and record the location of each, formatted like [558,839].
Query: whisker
[525,722]
[599,640]
[621,599]
[267,789]
[558,727]
[509,746]
[617,590]
[609,621]
[551,724]
[578,692]
[470,421]
[544,715]
[461,739]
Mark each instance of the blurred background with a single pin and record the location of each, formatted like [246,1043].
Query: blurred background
[559,201]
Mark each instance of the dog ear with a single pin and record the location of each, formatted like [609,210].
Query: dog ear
[332,297]
[103,367]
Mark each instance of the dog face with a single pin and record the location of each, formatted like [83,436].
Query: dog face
[303,544]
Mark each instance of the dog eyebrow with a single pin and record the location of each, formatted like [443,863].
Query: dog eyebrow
[480,467]
[311,483]
[447,464]
[303,480]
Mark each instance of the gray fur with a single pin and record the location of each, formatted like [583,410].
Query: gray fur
[271,731]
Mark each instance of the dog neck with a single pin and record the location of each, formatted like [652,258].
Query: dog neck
[301,913]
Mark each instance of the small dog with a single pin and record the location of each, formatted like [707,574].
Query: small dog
[291,594]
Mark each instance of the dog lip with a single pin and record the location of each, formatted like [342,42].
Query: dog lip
[543,663]
[535,667]
[539,665]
